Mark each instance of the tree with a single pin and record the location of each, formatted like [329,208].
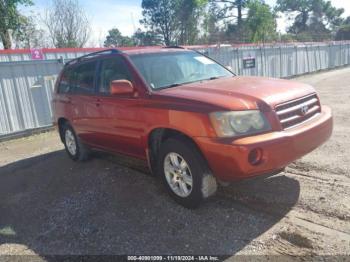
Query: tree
[115,38]
[10,19]
[28,35]
[161,17]
[211,31]
[67,24]
[147,38]
[189,13]
[231,9]
[313,17]
[232,14]
[176,20]
[343,32]
[261,21]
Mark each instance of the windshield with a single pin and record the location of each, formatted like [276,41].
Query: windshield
[168,69]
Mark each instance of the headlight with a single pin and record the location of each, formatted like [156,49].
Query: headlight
[235,123]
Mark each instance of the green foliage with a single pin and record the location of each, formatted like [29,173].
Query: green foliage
[148,38]
[304,37]
[28,35]
[261,22]
[10,19]
[160,16]
[343,32]
[243,20]
[287,38]
[67,24]
[230,13]
[314,20]
[230,9]
[176,20]
[189,13]
[209,27]
[115,38]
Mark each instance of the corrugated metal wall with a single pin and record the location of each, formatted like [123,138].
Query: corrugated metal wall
[25,94]
[26,86]
[283,61]
[49,55]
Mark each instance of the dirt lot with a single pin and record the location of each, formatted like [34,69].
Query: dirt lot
[109,205]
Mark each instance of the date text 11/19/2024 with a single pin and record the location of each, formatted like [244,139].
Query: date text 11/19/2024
[175,258]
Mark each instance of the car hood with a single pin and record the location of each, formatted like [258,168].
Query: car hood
[241,93]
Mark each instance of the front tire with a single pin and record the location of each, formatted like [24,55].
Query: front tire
[75,149]
[185,173]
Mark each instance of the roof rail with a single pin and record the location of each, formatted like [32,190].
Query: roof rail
[174,46]
[102,52]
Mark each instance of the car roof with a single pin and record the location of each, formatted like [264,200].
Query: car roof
[150,50]
[126,51]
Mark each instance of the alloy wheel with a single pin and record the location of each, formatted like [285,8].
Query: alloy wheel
[178,174]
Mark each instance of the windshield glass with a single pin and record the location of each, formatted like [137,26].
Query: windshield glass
[162,70]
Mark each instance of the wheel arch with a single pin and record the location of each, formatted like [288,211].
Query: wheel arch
[158,135]
[60,123]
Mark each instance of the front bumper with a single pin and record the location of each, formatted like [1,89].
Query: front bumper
[229,159]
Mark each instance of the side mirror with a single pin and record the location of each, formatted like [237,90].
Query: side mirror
[121,87]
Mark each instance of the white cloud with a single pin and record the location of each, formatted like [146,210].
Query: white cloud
[342,4]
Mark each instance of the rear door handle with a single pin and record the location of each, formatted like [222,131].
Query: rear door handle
[98,102]
[65,100]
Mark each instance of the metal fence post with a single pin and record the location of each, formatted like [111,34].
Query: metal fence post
[281,66]
[307,59]
[330,56]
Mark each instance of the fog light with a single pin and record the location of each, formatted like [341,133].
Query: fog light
[255,156]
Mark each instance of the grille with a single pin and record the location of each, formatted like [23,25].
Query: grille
[298,111]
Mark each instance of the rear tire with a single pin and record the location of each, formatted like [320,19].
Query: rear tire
[185,173]
[75,148]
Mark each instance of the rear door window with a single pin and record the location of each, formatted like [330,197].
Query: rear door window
[66,81]
[112,69]
[84,78]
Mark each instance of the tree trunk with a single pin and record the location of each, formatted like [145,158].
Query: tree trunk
[239,13]
[6,39]
[305,17]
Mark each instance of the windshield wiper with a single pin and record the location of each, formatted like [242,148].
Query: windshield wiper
[178,84]
[211,78]
[169,86]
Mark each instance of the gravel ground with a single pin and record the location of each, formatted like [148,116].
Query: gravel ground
[111,205]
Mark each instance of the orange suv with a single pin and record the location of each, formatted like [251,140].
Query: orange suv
[193,120]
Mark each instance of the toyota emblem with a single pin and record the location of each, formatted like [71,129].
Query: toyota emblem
[304,110]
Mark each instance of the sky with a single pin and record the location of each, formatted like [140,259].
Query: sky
[125,15]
